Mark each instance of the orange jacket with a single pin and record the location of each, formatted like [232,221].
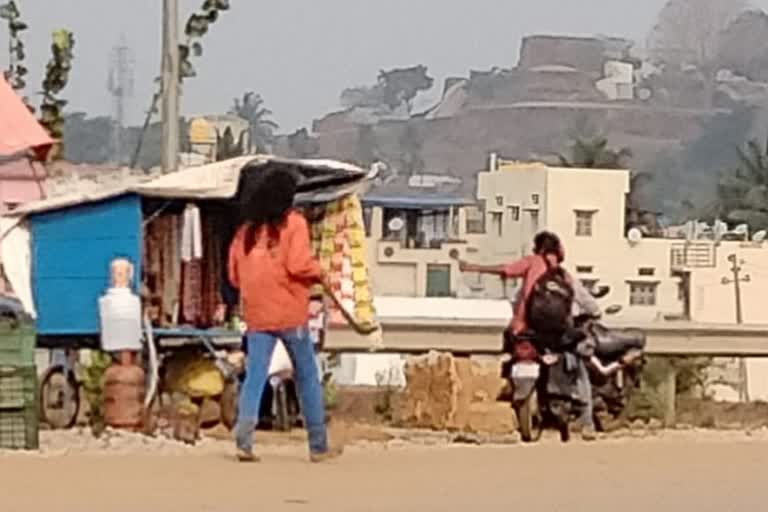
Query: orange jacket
[275,281]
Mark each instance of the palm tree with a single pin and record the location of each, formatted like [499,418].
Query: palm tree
[261,128]
[743,194]
[595,154]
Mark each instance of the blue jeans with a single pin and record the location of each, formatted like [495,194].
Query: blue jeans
[298,343]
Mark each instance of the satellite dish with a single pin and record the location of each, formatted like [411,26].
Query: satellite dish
[741,229]
[759,236]
[396,224]
[635,236]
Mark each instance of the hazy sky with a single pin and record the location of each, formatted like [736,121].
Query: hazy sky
[300,54]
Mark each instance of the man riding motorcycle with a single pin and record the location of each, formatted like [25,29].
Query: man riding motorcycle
[548,255]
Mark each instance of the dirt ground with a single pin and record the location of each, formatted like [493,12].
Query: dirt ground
[669,471]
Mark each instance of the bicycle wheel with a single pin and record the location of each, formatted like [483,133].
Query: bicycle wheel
[59,398]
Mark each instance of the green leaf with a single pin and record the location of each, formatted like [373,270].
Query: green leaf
[212,16]
[9,11]
[222,5]
[197,49]
[183,52]
[17,26]
[197,26]
[186,70]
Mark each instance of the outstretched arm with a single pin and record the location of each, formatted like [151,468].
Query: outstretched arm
[513,270]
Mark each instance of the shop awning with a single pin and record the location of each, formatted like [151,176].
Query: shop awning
[320,180]
[19,130]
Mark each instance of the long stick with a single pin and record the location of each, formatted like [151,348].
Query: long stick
[363,330]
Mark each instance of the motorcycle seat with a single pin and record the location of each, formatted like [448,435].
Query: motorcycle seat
[613,345]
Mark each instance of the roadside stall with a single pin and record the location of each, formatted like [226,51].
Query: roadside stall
[172,233]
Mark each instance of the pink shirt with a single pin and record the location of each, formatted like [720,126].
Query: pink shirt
[530,269]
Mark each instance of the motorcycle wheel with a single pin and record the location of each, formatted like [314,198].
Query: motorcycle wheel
[529,418]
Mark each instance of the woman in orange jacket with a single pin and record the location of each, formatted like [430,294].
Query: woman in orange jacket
[272,264]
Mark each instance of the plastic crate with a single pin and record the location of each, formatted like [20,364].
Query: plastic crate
[17,344]
[19,429]
[18,387]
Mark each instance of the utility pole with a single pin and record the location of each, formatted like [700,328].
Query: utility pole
[170,86]
[736,280]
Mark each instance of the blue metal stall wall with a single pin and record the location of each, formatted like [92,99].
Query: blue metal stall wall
[71,252]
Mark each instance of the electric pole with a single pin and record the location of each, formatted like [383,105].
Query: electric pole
[736,280]
[170,86]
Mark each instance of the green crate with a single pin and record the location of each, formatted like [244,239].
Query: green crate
[19,429]
[17,344]
[18,387]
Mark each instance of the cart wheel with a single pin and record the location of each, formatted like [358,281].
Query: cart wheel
[228,404]
[59,398]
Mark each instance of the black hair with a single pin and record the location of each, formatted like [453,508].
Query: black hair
[546,243]
[265,200]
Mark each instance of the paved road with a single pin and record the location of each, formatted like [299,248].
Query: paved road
[675,474]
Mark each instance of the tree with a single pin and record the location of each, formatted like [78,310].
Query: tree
[743,194]
[689,32]
[261,128]
[742,45]
[87,140]
[594,153]
[394,87]
[404,84]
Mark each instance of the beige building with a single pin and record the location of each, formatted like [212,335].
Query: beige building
[414,242]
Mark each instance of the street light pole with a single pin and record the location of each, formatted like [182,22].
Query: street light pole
[170,86]
[737,279]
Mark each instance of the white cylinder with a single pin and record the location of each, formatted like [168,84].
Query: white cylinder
[120,314]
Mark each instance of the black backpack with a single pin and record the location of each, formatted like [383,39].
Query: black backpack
[550,303]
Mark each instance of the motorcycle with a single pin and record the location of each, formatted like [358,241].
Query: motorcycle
[611,387]
[545,382]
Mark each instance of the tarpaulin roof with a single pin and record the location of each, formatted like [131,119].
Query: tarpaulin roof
[320,180]
[19,130]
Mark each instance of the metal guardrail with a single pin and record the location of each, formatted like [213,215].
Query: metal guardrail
[420,335]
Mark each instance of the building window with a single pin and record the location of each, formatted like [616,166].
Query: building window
[646,272]
[535,199]
[584,223]
[499,200]
[476,219]
[582,269]
[514,212]
[642,294]
[497,223]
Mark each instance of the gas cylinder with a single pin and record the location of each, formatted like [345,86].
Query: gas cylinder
[124,390]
